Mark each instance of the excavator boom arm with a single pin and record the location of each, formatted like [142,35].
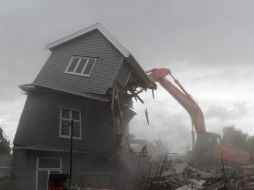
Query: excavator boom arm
[196,114]
[197,117]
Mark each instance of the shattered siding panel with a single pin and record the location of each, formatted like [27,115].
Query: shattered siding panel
[104,72]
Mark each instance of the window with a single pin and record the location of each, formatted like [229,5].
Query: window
[81,65]
[66,116]
[46,166]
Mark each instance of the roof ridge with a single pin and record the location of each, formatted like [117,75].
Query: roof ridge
[97,26]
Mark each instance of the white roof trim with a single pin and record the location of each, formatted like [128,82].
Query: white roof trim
[26,87]
[22,147]
[29,87]
[97,26]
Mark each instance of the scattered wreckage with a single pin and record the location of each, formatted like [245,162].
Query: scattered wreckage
[168,174]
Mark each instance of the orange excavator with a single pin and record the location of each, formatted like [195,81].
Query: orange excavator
[207,147]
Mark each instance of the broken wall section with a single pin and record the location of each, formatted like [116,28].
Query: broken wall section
[125,90]
[127,87]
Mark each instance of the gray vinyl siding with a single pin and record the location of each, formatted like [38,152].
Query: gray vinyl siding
[104,72]
[24,170]
[25,164]
[23,123]
[39,124]
[25,167]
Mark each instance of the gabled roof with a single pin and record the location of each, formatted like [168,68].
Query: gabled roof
[97,26]
[128,56]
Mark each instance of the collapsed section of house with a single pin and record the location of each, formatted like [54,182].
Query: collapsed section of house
[75,119]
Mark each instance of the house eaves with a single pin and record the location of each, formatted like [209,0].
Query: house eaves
[31,87]
[47,149]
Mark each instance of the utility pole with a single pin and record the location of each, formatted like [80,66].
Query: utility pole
[71,126]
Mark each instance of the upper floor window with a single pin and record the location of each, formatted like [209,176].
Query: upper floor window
[81,65]
[66,118]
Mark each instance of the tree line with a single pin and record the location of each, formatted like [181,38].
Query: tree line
[5,147]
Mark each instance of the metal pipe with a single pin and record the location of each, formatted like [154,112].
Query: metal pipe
[71,125]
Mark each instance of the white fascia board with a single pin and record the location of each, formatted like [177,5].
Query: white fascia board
[27,87]
[46,149]
[97,26]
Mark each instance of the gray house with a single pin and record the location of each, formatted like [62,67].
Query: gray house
[89,80]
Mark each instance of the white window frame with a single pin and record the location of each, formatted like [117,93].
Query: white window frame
[46,169]
[80,58]
[69,120]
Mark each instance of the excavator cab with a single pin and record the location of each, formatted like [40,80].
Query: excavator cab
[208,150]
[208,139]
[204,148]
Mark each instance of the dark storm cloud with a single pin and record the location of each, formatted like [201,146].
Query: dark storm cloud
[199,32]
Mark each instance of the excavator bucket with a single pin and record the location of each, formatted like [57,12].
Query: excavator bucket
[156,74]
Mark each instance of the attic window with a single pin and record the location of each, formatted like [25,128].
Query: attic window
[81,65]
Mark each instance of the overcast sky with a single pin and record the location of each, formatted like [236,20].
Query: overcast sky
[208,45]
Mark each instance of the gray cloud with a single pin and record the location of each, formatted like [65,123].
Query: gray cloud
[238,111]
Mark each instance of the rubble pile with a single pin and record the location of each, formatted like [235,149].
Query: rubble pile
[180,175]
